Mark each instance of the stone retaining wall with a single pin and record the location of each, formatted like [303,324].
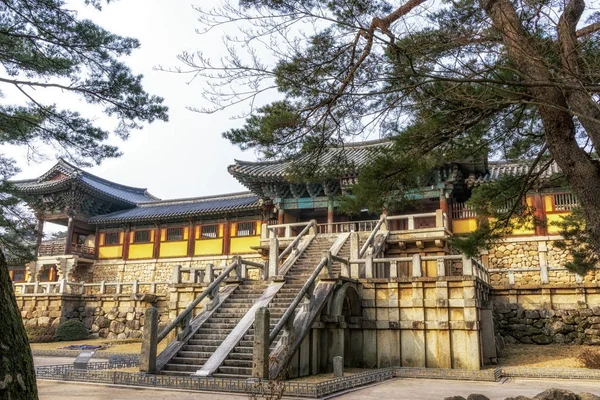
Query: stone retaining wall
[545,326]
[105,316]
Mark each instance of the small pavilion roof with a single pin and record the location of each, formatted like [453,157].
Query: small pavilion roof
[183,208]
[63,175]
[498,169]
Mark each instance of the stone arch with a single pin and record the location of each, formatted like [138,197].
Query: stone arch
[347,338]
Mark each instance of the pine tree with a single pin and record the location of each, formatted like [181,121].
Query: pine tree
[46,50]
[446,81]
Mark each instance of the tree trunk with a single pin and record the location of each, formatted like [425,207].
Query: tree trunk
[17,375]
[580,170]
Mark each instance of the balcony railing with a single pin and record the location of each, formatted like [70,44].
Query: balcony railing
[58,249]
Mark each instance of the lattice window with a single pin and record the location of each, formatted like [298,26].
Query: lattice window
[209,232]
[111,238]
[462,210]
[174,234]
[564,201]
[246,228]
[141,236]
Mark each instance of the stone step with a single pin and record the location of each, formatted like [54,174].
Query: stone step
[241,356]
[195,361]
[189,368]
[205,342]
[229,376]
[238,363]
[242,349]
[235,370]
[199,348]
[195,354]
[175,373]
[214,334]
[229,314]
[218,325]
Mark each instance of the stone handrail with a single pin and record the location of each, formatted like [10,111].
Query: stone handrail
[471,267]
[325,261]
[371,236]
[347,226]
[81,288]
[212,290]
[271,230]
[441,219]
[59,249]
[294,244]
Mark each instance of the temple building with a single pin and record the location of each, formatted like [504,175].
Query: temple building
[378,281]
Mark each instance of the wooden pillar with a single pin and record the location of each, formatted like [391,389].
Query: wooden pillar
[97,241]
[445,210]
[156,248]
[330,215]
[226,238]
[539,213]
[191,239]
[69,238]
[126,241]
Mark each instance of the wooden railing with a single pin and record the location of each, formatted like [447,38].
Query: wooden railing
[347,226]
[58,249]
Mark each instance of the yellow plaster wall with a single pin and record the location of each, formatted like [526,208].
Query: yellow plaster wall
[140,251]
[553,218]
[548,206]
[173,249]
[207,247]
[242,244]
[110,251]
[464,225]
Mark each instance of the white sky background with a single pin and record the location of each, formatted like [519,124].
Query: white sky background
[185,157]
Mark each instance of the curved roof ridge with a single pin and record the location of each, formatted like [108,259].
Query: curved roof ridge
[367,143]
[103,180]
[185,200]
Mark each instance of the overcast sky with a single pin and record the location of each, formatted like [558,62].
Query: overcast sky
[185,157]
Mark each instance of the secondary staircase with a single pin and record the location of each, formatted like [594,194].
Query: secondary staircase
[239,362]
[207,339]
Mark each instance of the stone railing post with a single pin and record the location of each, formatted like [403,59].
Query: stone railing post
[393,269]
[273,256]
[176,276]
[102,287]
[36,287]
[467,266]
[411,223]
[354,249]
[441,267]
[209,274]
[416,266]
[149,341]
[338,367]
[313,227]
[260,352]
[369,263]
[439,219]
[136,287]
[62,289]
[288,231]
[264,231]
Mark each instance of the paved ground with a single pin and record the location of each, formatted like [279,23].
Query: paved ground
[413,389]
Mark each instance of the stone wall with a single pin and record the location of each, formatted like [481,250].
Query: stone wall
[153,270]
[531,262]
[106,316]
[423,322]
[545,326]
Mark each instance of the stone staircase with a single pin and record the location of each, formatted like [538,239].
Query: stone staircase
[239,362]
[209,337]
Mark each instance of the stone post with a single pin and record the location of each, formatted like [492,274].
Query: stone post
[149,341]
[369,263]
[209,273]
[338,367]
[264,232]
[260,352]
[176,276]
[441,267]
[273,256]
[467,266]
[416,266]
[543,259]
[354,249]
[313,227]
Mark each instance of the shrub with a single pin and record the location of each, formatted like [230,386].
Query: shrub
[589,358]
[71,330]
[40,334]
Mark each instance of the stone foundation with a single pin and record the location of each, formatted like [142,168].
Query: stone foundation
[575,326]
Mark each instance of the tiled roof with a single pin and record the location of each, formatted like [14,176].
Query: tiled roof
[346,159]
[63,174]
[499,169]
[168,209]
